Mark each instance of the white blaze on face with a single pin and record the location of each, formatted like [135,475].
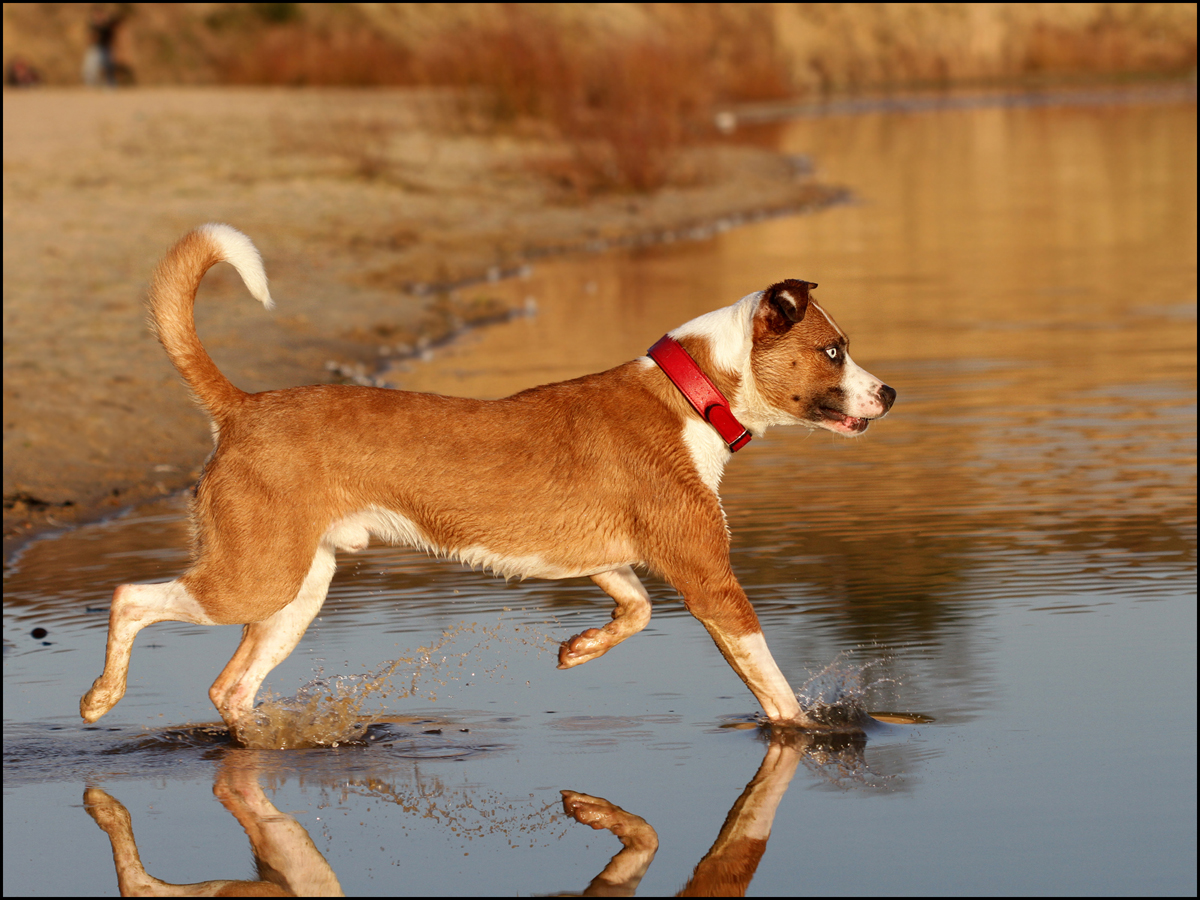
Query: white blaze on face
[862,391]
[860,387]
[828,318]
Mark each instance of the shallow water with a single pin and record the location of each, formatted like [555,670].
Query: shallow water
[1006,563]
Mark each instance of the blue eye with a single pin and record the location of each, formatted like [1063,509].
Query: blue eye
[832,352]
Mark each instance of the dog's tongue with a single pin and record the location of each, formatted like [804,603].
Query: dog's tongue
[851,424]
[848,424]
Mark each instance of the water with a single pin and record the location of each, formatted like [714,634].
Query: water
[1002,570]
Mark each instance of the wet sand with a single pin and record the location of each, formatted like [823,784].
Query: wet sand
[367,207]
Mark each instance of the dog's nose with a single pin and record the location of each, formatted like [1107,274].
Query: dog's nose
[887,395]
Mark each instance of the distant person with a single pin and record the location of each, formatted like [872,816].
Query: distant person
[20,73]
[99,66]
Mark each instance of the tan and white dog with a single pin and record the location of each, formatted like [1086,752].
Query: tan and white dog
[592,476]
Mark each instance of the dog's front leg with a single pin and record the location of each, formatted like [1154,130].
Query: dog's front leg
[631,615]
[750,658]
[718,601]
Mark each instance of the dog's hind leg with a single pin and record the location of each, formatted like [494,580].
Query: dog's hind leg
[631,615]
[134,606]
[267,643]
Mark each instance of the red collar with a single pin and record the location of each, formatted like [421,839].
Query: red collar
[679,366]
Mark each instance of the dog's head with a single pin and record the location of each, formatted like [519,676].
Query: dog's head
[784,361]
[801,364]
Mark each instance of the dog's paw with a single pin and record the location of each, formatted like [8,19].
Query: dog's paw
[583,647]
[99,700]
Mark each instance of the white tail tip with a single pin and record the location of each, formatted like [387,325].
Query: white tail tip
[239,251]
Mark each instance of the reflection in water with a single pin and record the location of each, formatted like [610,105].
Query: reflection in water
[289,864]
[729,866]
[639,843]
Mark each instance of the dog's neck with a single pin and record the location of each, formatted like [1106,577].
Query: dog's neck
[704,396]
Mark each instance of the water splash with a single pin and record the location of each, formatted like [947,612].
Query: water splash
[836,697]
[329,710]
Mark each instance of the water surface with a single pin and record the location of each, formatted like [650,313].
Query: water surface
[1007,560]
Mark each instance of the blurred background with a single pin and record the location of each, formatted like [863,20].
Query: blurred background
[751,50]
[645,75]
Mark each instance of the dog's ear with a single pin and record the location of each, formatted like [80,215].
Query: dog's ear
[785,303]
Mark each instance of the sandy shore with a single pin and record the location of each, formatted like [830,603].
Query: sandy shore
[361,203]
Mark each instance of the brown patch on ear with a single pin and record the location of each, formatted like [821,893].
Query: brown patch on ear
[785,303]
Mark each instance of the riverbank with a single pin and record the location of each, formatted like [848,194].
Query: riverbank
[365,205]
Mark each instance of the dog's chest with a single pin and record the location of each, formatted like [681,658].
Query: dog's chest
[708,451]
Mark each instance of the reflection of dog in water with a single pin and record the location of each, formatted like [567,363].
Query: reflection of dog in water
[729,866]
[587,477]
[288,861]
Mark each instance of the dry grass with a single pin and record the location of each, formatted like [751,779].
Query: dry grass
[620,132]
[620,108]
[295,56]
[821,46]
[631,110]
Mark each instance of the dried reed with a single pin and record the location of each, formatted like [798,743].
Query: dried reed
[620,108]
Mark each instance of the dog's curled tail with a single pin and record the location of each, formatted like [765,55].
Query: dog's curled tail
[172,300]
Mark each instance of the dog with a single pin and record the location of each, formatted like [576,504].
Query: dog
[589,477]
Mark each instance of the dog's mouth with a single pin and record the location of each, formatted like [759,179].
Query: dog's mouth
[838,421]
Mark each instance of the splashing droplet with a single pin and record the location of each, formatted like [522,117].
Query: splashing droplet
[836,696]
[329,710]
